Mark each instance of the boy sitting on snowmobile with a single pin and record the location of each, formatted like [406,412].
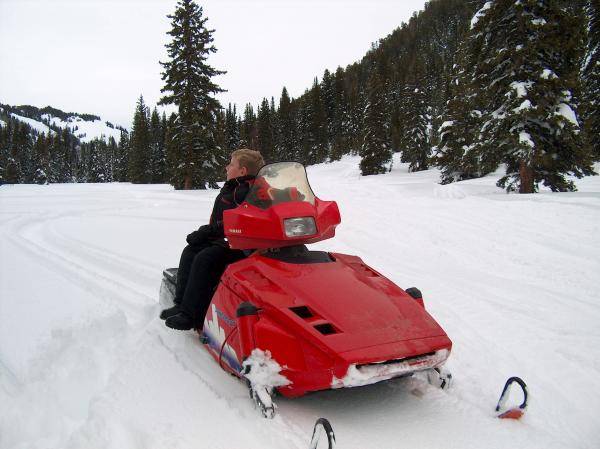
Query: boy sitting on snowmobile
[207,254]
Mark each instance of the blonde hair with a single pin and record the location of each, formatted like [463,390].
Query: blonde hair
[251,159]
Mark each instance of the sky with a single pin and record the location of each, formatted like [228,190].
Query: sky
[98,57]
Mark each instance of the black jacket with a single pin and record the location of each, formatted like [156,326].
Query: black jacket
[231,196]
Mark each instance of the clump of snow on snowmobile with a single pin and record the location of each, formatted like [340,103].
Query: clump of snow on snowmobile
[263,374]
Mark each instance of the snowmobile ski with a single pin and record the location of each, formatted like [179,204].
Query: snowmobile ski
[322,432]
[261,397]
[514,412]
[440,378]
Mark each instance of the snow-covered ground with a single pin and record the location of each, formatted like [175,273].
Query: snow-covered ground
[86,363]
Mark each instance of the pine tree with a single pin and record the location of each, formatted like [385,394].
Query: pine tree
[339,119]
[329,105]
[139,157]
[56,162]
[527,66]
[312,127]
[591,77]
[122,158]
[220,154]
[357,101]
[4,145]
[23,145]
[248,133]
[414,139]
[286,129]
[157,148]
[304,115]
[232,131]
[10,170]
[265,132]
[173,154]
[68,156]
[455,153]
[112,155]
[318,127]
[274,128]
[97,161]
[41,157]
[188,85]
[375,152]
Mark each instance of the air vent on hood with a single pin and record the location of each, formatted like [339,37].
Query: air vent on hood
[326,329]
[302,312]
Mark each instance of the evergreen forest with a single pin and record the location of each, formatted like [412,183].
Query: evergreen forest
[466,86]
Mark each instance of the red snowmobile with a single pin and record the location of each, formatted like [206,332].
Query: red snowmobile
[295,321]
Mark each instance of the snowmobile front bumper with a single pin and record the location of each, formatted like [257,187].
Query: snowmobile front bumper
[369,373]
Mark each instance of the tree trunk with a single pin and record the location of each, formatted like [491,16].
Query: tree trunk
[526,174]
[187,182]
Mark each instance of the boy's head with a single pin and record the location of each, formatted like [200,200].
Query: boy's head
[244,162]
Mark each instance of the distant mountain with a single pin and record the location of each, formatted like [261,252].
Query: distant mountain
[48,120]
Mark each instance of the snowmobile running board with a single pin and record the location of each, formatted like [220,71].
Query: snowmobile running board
[322,427]
[515,412]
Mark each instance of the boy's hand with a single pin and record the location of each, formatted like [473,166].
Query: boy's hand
[199,236]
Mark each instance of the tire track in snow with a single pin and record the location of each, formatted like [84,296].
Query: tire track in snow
[87,277]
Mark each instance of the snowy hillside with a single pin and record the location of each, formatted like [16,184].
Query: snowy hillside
[85,127]
[86,363]
[85,130]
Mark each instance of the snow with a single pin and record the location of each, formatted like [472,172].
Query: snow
[86,130]
[368,375]
[548,74]
[2,123]
[525,137]
[446,124]
[86,362]
[564,110]
[264,372]
[34,124]
[520,87]
[539,22]
[525,105]
[479,14]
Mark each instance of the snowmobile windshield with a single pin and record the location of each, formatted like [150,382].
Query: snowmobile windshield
[282,182]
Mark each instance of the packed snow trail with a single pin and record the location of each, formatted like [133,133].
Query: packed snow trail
[85,362]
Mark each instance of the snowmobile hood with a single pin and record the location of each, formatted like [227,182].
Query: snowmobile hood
[342,306]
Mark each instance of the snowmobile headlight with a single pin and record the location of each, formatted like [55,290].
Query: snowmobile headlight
[300,226]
